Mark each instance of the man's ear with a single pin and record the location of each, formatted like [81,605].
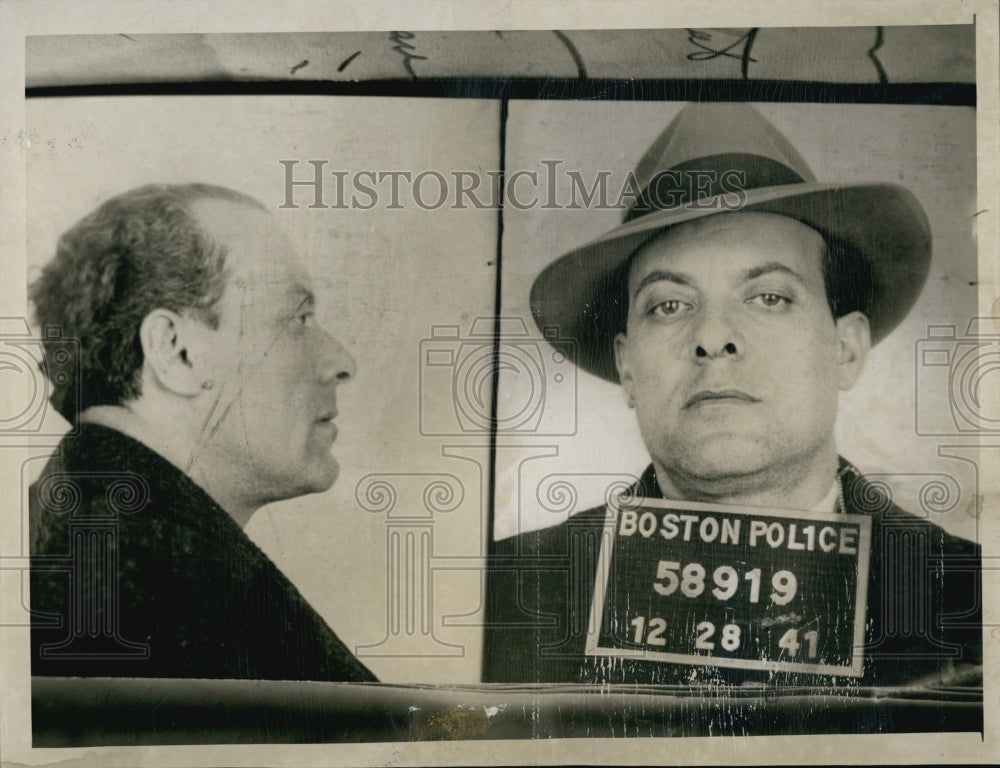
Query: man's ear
[855,342]
[624,368]
[165,352]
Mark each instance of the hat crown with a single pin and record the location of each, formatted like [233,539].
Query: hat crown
[705,142]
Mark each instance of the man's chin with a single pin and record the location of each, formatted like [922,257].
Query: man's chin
[720,459]
[321,476]
[329,477]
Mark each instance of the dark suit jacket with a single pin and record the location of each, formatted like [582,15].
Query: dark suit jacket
[923,615]
[136,572]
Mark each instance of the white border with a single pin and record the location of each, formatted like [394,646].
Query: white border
[19,19]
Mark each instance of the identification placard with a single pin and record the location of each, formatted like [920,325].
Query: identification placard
[713,585]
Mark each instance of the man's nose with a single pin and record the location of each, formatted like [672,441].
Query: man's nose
[338,365]
[716,335]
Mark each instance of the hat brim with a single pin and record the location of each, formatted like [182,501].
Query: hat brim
[578,300]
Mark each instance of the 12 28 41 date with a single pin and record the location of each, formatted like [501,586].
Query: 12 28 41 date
[650,632]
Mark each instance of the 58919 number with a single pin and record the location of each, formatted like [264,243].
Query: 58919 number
[690,580]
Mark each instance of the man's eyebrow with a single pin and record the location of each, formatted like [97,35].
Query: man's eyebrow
[768,268]
[658,275]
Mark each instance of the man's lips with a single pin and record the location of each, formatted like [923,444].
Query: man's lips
[720,396]
[326,420]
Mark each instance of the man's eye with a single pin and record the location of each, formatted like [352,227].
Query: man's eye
[669,308]
[306,318]
[770,300]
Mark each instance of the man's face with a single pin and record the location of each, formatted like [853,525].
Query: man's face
[731,354]
[275,369]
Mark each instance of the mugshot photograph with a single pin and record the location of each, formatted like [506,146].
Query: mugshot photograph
[563,390]
[171,292]
[232,341]
[735,305]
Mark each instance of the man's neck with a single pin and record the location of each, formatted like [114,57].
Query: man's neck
[801,485]
[179,452]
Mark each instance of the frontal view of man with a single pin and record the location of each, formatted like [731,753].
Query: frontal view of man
[745,413]
[203,388]
[736,302]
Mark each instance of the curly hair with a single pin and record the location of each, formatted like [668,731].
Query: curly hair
[137,252]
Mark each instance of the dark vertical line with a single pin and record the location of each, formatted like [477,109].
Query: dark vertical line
[581,68]
[745,65]
[497,308]
[883,78]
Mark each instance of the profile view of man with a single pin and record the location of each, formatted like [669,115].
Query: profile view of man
[202,388]
[737,300]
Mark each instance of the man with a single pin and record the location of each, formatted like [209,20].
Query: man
[203,388]
[733,305]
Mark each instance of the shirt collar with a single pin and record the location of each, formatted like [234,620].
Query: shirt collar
[648,487]
[831,502]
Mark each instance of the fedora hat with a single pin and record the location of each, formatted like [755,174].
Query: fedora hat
[717,158]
